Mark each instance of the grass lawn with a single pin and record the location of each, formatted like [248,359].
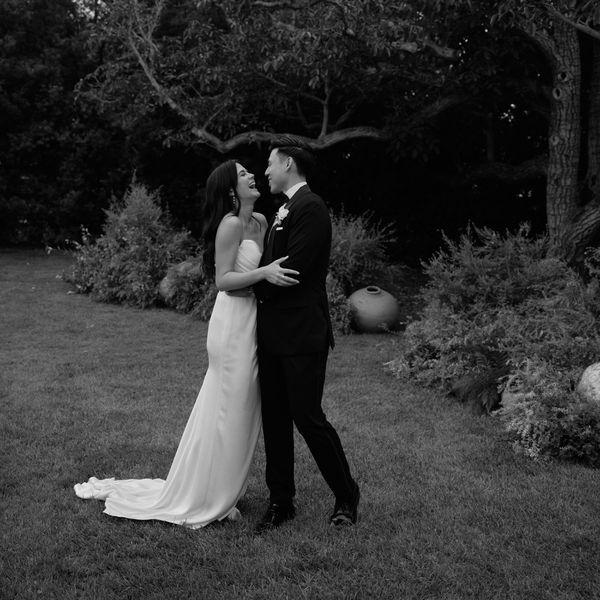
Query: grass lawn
[447,511]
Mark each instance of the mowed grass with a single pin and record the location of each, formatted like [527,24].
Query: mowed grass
[447,511]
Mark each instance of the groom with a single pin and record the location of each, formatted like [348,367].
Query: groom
[294,335]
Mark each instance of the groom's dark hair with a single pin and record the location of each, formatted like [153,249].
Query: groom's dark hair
[298,150]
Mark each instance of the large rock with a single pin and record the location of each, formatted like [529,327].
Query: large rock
[589,384]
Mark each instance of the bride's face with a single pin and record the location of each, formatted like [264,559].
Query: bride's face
[246,186]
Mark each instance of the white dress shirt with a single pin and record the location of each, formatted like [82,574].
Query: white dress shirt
[289,193]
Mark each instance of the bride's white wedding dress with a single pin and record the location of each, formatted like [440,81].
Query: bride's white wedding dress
[210,469]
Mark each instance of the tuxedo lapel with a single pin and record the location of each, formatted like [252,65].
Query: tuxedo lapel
[301,192]
[268,243]
[269,239]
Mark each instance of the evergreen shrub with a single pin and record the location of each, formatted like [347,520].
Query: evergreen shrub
[127,262]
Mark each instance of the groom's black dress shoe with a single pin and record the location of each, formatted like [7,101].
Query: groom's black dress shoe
[274,517]
[346,513]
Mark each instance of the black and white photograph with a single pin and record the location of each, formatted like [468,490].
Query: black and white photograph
[300,299]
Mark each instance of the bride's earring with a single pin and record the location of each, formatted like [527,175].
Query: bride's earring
[234,200]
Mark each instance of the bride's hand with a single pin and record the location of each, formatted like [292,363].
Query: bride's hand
[278,275]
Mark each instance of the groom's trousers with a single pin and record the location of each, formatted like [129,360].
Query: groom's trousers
[291,392]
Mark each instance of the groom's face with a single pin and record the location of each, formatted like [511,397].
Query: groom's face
[278,171]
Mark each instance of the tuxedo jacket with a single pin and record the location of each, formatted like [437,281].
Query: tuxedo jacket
[295,320]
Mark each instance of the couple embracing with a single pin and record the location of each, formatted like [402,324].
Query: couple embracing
[268,339]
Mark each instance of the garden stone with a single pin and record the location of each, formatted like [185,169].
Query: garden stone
[589,384]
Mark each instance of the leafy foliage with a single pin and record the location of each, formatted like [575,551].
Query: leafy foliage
[358,249]
[358,257]
[127,262]
[339,309]
[189,290]
[492,295]
[228,67]
[500,293]
[59,161]
[555,424]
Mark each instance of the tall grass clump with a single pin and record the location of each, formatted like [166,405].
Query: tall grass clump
[127,262]
[493,295]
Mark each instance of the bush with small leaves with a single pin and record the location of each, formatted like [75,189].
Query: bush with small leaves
[187,289]
[127,262]
[498,305]
[339,309]
[554,424]
[504,294]
[358,250]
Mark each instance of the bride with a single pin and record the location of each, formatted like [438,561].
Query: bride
[210,469]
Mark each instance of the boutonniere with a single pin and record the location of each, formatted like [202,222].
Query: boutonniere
[282,213]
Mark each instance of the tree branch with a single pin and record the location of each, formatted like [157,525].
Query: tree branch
[290,88]
[540,38]
[343,118]
[414,47]
[577,24]
[527,170]
[325,121]
[302,116]
[253,137]
[162,94]
[433,110]
[145,33]
[441,51]
[320,143]
[291,5]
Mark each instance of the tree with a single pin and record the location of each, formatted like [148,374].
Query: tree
[566,31]
[55,166]
[333,71]
[233,73]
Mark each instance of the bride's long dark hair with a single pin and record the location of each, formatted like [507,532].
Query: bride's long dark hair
[220,199]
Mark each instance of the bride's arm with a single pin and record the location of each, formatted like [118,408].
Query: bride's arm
[229,236]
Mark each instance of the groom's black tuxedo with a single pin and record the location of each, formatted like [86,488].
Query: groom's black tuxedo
[294,335]
[295,320]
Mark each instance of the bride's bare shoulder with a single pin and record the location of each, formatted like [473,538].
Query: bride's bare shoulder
[230,222]
[230,228]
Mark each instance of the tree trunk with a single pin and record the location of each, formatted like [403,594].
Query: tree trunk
[562,193]
[593,168]
[586,223]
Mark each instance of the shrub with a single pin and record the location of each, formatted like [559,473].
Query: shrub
[503,294]
[187,288]
[127,262]
[358,250]
[554,424]
[138,247]
[498,304]
[339,308]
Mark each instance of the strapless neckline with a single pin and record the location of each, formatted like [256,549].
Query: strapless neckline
[253,241]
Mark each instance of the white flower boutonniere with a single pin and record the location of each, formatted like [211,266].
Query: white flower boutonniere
[282,213]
